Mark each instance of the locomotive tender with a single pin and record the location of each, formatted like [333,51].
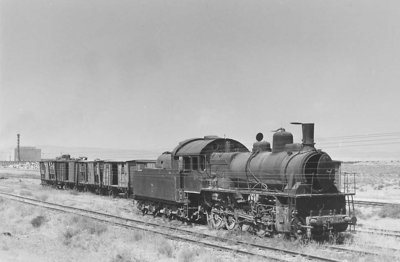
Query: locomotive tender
[290,188]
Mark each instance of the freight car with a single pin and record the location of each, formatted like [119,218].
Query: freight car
[106,177]
[291,188]
[117,175]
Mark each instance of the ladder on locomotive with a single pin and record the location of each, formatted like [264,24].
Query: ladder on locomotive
[348,186]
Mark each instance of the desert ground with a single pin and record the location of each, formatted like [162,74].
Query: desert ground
[30,233]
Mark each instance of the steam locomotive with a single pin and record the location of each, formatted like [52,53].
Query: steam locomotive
[291,188]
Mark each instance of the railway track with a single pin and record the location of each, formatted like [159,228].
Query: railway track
[234,245]
[377,231]
[176,233]
[374,203]
[360,251]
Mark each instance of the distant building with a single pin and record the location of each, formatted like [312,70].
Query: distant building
[28,153]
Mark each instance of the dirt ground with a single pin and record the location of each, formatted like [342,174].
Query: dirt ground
[34,234]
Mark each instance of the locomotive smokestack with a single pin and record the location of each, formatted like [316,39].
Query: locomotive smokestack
[308,133]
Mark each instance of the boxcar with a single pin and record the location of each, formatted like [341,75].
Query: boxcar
[65,171]
[48,172]
[93,182]
[115,178]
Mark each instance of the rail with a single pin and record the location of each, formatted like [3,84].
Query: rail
[170,231]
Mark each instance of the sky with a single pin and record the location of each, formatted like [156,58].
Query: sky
[145,75]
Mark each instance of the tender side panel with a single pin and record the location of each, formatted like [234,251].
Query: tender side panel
[156,184]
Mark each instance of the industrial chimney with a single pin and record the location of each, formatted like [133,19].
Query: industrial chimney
[18,152]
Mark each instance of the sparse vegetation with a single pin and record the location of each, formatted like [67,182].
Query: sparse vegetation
[165,248]
[98,242]
[38,221]
[77,226]
[25,193]
[390,211]
[137,236]
[187,255]
[42,197]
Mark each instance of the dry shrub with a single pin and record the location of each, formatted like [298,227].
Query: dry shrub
[25,193]
[390,211]
[187,255]
[122,257]
[165,248]
[38,221]
[137,236]
[69,234]
[81,226]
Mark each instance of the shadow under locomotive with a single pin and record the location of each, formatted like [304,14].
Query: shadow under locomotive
[290,188]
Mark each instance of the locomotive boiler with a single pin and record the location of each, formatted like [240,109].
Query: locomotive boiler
[290,188]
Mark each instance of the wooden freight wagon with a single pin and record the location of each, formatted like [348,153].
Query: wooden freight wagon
[93,182]
[81,174]
[48,172]
[65,171]
[115,178]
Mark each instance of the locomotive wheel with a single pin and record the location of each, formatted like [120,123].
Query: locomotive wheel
[297,230]
[231,222]
[216,220]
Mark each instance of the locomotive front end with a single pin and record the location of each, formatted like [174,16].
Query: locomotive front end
[318,206]
[292,186]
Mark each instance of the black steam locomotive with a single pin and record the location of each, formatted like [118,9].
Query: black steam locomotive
[290,188]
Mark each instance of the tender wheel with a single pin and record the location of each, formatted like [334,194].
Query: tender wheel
[231,222]
[260,231]
[139,205]
[111,193]
[168,213]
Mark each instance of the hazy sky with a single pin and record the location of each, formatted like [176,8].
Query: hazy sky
[148,74]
